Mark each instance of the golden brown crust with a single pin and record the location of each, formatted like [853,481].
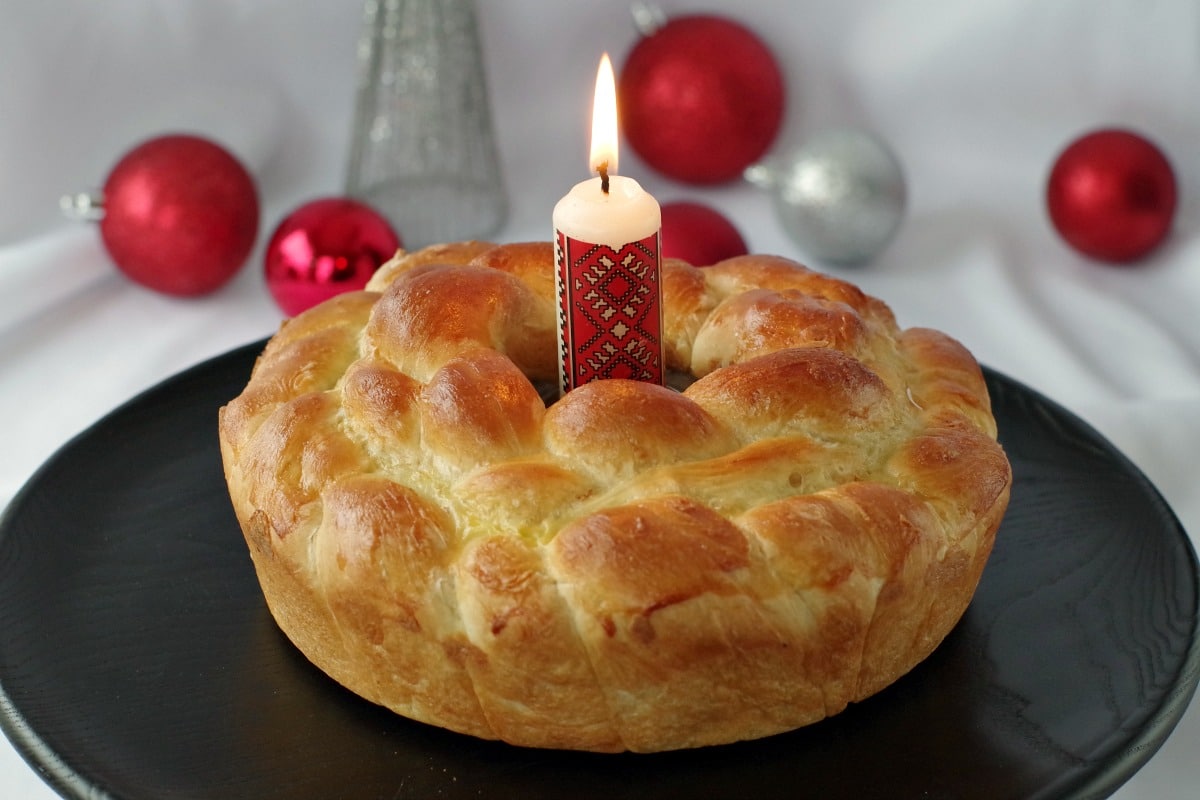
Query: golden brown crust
[631,567]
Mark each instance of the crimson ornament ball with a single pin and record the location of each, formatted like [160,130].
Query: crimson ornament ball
[698,234]
[1111,195]
[323,248]
[180,215]
[701,98]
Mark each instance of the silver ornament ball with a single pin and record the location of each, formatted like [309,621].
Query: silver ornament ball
[841,195]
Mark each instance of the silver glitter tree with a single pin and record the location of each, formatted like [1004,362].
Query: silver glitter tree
[422,150]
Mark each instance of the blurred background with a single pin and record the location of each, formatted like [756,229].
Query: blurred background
[975,101]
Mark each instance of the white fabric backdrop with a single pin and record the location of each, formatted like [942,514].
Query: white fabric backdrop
[975,98]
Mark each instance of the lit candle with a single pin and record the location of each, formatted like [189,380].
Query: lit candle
[607,241]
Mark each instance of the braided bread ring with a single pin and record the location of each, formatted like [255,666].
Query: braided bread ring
[630,567]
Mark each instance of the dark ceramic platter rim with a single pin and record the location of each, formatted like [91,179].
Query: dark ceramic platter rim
[137,659]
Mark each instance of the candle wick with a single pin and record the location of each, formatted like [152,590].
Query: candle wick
[603,170]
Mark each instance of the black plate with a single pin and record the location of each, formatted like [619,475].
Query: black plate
[137,659]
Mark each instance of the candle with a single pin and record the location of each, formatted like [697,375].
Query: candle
[607,241]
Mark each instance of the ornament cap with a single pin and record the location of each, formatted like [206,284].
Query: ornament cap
[83,206]
[760,175]
[647,18]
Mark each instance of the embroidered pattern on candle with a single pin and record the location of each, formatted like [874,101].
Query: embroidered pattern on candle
[611,310]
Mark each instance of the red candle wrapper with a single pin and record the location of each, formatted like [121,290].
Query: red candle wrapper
[610,311]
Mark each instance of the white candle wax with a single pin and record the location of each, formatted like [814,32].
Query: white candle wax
[626,213]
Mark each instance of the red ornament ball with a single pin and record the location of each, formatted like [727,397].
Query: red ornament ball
[699,234]
[1111,195]
[323,248]
[180,215]
[701,98]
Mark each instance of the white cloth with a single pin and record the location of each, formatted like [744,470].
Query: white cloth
[975,98]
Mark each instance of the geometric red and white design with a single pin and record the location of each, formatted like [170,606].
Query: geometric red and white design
[609,311]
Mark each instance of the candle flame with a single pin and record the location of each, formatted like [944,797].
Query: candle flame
[603,157]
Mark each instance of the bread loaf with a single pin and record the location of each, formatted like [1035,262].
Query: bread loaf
[630,567]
